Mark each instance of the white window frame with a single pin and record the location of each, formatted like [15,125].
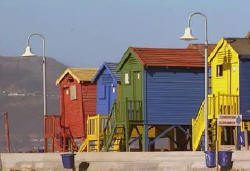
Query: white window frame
[219,70]
[73,92]
[126,78]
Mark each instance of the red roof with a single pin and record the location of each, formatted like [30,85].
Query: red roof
[201,47]
[169,57]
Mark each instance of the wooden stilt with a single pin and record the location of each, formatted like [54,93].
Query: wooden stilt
[246,139]
[171,140]
[216,155]
[145,142]
[235,138]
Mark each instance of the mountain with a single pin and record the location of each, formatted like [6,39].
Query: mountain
[21,96]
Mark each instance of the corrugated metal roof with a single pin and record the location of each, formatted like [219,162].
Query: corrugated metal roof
[169,57]
[79,74]
[240,45]
[201,48]
[112,68]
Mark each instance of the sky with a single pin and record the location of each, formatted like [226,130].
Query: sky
[85,33]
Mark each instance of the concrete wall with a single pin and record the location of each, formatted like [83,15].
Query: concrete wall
[130,161]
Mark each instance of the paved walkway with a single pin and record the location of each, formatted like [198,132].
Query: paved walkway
[119,161]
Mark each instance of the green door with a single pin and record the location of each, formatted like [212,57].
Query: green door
[135,106]
[137,86]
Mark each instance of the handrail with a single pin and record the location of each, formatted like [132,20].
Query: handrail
[134,110]
[217,104]
[53,127]
[109,118]
[83,145]
[50,126]
[198,127]
[95,125]
[108,127]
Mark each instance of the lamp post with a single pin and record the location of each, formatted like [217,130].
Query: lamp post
[28,53]
[188,36]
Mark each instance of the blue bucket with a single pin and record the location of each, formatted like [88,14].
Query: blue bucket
[210,159]
[225,158]
[68,160]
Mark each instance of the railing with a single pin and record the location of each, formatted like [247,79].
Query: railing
[95,125]
[95,131]
[54,129]
[83,146]
[220,104]
[110,124]
[198,127]
[134,110]
[129,110]
[122,111]
[116,112]
[227,104]
[51,122]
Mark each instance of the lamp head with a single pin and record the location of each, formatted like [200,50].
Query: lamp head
[187,34]
[28,52]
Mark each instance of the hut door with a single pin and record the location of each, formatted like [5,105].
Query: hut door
[135,105]
[108,88]
[66,105]
[137,85]
[106,98]
[234,79]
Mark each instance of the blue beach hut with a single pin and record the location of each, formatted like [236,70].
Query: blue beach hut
[108,81]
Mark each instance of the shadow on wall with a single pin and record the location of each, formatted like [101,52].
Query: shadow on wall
[83,166]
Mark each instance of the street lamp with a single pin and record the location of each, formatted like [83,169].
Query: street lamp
[188,36]
[28,53]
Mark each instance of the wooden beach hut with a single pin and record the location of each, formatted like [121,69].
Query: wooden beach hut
[107,80]
[162,89]
[230,93]
[77,102]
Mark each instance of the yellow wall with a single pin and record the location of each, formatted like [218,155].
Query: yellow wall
[229,82]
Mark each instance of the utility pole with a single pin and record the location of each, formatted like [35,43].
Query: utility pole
[7,133]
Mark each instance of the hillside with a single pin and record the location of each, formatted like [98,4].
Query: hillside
[21,96]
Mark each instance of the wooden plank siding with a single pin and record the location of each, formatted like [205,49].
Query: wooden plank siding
[132,90]
[173,95]
[107,91]
[72,109]
[154,94]
[245,88]
[74,112]
[169,96]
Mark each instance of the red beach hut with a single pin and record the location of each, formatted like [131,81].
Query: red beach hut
[77,101]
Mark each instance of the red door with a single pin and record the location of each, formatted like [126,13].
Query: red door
[66,106]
